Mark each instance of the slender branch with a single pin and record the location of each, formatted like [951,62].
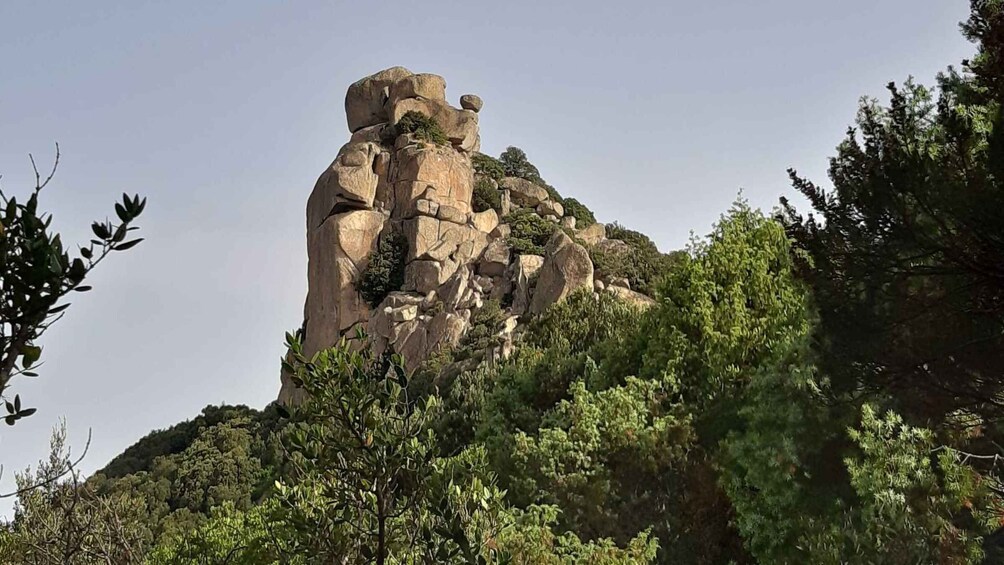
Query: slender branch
[70,469]
[39,183]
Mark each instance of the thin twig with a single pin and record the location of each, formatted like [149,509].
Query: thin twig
[69,469]
[39,184]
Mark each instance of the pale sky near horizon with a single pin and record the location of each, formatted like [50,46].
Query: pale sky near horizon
[223,114]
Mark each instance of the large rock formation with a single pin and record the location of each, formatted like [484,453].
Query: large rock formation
[386,186]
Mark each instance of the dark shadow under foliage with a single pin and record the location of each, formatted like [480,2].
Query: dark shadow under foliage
[385,271]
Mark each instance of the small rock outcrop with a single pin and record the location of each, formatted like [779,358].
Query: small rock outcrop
[394,202]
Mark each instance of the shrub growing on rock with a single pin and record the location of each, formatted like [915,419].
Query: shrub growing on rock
[485,325]
[583,216]
[515,164]
[385,271]
[422,126]
[529,233]
[487,166]
[552,193]
[486,196]
[642,264]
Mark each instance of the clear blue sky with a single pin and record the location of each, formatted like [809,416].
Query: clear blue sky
[223,113]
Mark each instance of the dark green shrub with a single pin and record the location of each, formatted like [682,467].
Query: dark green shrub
[487,166]
[529,233]
[486,322]
[634,238]
[552,193]
[422,126]
[385,271]
[163,443]
[581,321]
[642,265]
[486,196]
[583,216]
[515,164]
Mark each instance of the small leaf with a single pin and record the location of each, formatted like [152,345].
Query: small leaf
[59,308]
[54,264]
[128,244]
[77,270]
[83,288]
[31,354]
[122,213]
[101,230]
[26,412]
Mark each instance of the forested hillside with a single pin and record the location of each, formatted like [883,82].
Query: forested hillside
[816,384]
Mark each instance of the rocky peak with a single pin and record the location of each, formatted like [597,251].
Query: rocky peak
[395,246]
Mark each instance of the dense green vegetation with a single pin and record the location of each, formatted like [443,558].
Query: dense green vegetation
[803,391]
[583,216]
[529,232]
[488,173]
[513,162]
[487,166]
[640,262]
[164,485]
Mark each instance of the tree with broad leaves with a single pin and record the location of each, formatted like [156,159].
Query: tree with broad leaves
[368,486]
[366,482]
[37,272]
